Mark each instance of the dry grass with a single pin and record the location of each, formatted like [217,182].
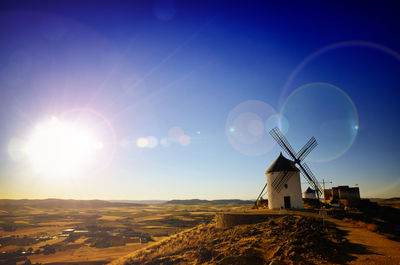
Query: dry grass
[86,253]
[225,220]
[395,203]
[372,227]
[283,240]
[32,231]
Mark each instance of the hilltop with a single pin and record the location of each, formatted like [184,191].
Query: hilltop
[280,240]
[364,235]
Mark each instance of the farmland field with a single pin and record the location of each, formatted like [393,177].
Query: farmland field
[99,233]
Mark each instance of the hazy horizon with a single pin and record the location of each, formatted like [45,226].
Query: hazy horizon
[157,200]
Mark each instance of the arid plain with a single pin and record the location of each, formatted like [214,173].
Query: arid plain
[98,232]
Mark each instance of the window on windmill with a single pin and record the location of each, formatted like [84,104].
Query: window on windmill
[286,186]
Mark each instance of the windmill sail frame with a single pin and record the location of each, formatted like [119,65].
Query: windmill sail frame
[298,158]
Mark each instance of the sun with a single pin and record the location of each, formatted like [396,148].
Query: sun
[58,148]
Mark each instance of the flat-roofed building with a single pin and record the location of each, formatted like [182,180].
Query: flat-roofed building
[343,195]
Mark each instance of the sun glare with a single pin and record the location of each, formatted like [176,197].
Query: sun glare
[59,148]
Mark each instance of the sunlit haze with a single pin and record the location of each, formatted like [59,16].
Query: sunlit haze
[56,148]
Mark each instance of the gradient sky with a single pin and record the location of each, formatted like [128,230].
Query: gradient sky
[206,80]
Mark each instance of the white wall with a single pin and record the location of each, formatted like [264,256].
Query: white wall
[276,201]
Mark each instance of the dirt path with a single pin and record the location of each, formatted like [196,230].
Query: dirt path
[367,247]
[381,250]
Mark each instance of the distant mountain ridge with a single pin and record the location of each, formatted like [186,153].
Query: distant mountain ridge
[393,199]
[69,203]
[140,201]
[198,201]
[61,203]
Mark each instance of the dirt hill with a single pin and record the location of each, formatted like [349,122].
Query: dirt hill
[280,240]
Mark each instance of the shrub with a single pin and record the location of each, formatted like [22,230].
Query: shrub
[372,227]
[361,224]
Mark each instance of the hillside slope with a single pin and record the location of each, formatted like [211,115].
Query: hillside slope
[280,240]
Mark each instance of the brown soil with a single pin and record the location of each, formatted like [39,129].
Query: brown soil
[281,240]
[380,250]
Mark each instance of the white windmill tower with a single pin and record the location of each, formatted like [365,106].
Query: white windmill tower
[283,185]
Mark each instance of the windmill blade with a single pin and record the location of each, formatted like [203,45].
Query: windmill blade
[284,181]
[283,142]
[280,180]
[309,176]
[307,148]
[261,193]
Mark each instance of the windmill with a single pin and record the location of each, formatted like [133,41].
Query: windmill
[298,160]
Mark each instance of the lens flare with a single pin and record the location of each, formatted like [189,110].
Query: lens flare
[17,149]
[165,142]
[326,112]
[185,140]
[277,120]
[142,142]
[152,141]
[331,47]
[147,142]
[177,135]
[246,127]
[256,127]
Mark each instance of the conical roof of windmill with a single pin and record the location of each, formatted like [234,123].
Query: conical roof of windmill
[309,190]
[282,164]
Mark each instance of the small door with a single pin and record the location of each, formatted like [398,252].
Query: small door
[286,200]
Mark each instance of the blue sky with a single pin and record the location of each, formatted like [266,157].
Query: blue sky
[206,80]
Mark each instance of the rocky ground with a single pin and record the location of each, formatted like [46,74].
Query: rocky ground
[287,239]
